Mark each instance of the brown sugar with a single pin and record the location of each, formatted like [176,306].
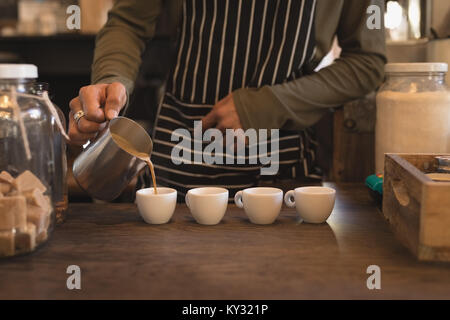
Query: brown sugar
[16,208]
[36,198]
[25,240]
[27,182]
[6,218]
[5,187]
[7,243]
[6,177]
[25,213]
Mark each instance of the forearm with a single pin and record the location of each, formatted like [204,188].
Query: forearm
[300,103]
[121,41]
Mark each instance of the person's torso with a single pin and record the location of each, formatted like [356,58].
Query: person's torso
[225,45]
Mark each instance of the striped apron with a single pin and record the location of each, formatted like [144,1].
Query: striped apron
[225,45]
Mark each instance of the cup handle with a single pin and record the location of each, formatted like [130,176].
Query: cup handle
[186,199]
[289,199]
[238,199]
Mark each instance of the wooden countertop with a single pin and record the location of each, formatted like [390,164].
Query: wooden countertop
[121,257]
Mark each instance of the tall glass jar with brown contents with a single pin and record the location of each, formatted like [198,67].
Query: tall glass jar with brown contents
[413,111]
[60,188]
[27,163]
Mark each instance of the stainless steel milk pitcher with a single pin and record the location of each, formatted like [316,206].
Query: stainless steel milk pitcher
[103,169]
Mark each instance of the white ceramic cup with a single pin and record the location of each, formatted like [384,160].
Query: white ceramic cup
[207,204]
[262,205]
[156,208]
[313,204]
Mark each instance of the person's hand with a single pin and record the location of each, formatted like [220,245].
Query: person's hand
[222,116]
[112,97]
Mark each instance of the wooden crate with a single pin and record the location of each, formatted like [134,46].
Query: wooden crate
[417,207]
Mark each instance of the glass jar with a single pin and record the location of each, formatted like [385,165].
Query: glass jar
[60,188]
[27,163]
[413,111]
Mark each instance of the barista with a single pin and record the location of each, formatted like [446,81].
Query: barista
[239,64]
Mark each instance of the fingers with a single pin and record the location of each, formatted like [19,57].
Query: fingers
[222,116]
[210,120]
[229,122]
[222,126]
[75,105]
[76,136]
[116,96]
[86,126]
[91,99]
[239,141]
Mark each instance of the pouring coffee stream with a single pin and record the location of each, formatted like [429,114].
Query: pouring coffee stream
[128,147]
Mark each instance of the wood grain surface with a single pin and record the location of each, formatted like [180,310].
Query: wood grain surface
[121,257]
[417,207]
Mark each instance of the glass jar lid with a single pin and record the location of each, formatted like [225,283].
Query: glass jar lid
[18,71]
[416,67]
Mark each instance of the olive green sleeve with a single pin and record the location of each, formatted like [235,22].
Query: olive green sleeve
[121,41]
[297,104]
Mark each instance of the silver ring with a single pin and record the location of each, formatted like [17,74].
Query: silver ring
[78,115]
